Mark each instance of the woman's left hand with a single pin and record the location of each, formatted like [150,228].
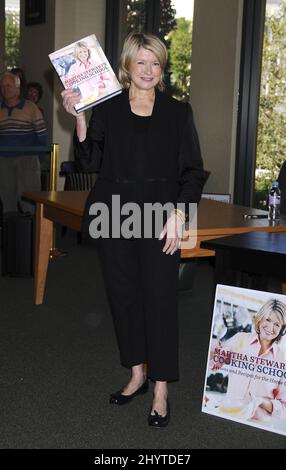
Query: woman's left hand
[173,230]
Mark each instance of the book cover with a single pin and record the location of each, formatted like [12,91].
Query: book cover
[246,368]
[83,67]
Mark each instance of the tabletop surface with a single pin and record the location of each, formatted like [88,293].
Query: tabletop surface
[211,214]
[70,201]
[263,242]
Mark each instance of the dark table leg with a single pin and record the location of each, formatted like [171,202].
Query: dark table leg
[224,273]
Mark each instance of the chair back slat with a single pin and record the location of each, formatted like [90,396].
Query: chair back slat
[76,180]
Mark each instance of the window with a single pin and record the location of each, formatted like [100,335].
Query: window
[271,131]
[176,26]
[261,146]
[135,15]
[169,19]
[12,33]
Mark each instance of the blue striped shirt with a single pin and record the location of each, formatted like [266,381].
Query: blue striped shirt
[21,126]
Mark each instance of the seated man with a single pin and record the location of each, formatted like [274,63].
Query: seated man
[21,125]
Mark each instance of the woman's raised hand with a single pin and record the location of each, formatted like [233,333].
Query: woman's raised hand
[70,99]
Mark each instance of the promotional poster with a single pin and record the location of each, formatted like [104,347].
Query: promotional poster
[246,369]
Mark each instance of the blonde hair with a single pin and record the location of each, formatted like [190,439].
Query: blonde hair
[80,45]
[131,46]
[272,306]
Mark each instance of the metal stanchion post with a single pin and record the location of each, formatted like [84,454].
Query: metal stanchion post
[54,167]
[54,252]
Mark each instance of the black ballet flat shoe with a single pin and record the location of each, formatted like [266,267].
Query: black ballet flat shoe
[118,399]
[158,421]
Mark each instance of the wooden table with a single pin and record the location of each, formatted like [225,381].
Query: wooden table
[215,219]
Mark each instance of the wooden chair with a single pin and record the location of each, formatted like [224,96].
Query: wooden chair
[76,180]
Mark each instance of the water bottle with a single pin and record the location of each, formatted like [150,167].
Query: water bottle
[274,202]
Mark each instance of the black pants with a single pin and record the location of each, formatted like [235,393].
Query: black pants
[17,175]
[142,286]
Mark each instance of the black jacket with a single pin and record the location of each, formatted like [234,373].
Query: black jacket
[173,136]
[172,145]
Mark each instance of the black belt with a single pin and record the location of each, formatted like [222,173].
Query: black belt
[144,180]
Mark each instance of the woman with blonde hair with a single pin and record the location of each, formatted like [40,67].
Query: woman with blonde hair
[145,146]
[261,389]
[84,61]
